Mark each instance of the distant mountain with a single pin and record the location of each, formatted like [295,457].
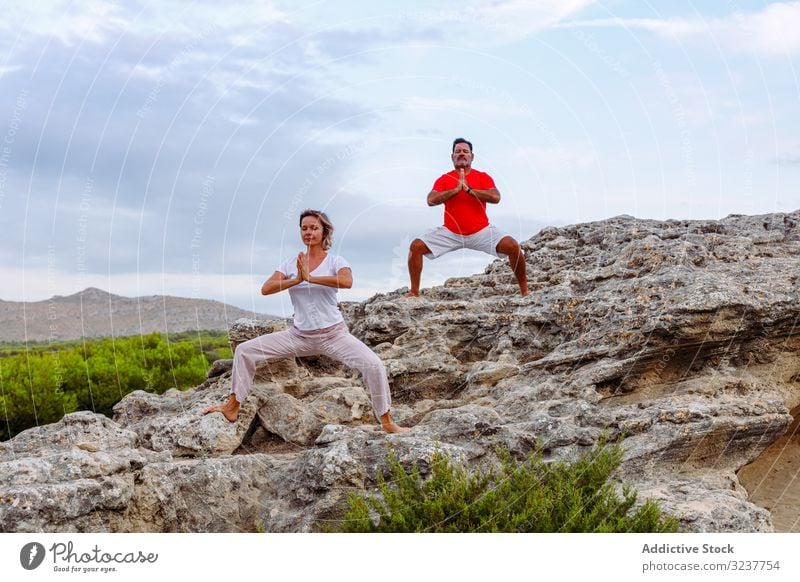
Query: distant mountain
[94,313]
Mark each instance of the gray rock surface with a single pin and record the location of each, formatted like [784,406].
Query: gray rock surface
[680,336]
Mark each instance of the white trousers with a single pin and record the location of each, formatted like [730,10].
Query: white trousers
[335,342]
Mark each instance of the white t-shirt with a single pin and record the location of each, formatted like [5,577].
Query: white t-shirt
[315,306]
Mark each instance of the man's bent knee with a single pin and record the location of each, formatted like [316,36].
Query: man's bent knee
[508,246]
[418,247]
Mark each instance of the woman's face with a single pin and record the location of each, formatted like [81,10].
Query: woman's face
[311,231]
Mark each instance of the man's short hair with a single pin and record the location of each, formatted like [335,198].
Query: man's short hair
[459,140]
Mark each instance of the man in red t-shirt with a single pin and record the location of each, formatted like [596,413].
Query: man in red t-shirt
[464,192]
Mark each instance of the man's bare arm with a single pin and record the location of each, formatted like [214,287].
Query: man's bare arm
[435,198]
[492,195]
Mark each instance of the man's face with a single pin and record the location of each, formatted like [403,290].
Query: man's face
[462,156]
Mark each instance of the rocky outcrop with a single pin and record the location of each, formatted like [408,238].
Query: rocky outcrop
[678,336]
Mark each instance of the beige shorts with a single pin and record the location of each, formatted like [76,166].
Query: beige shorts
[442,240]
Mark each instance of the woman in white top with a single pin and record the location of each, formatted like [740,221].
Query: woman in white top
[312,280]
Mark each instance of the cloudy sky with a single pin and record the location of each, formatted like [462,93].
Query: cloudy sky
[168,147]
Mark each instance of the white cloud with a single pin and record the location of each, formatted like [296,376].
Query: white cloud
[788,152]
[558,157]
[242,120]
[475,107]
[68,22]
[75,21]
[147,72]
[188,18]
[675,27]
[771,32]
[7,70]
[519,18]
[500,21]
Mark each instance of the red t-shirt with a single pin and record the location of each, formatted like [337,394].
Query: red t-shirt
[463,213]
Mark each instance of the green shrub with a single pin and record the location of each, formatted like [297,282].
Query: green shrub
[32,393]
[39,383]
[528,496]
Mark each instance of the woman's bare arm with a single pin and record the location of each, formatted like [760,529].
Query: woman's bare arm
[277,283]
[343,279]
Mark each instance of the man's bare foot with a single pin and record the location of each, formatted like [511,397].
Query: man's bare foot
[412,294]
[388,425]
[230,410]
[524,292]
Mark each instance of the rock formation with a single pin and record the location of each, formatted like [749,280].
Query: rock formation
[678,335]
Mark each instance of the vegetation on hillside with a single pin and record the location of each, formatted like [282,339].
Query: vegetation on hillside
[41,382]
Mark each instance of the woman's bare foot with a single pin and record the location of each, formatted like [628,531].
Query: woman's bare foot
[230,410]
[388,425]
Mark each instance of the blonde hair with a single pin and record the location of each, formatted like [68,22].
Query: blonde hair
[327,226]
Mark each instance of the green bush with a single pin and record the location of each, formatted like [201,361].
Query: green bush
[531,496]
[39,383]
[32,393]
